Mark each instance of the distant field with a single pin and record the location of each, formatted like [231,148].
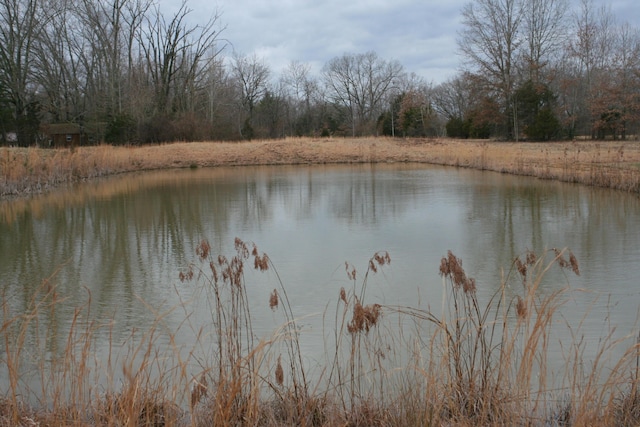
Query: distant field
[613,164]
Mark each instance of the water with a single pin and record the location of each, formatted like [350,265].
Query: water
[118,245]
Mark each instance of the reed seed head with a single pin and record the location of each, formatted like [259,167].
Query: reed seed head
[273,300]
[203,250]
[444,267]
[522,267]
[531,258]
[241,248]
[186,275]
[560,258]
[382,258]
[521,308]
[261,262]
[351,271]
[574,263]
[214,271]
[343,295]
[451,266]
[469,285]
[364,317]
[279,372]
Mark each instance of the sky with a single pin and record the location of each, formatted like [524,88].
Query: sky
[420,34]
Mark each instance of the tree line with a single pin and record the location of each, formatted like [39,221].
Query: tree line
[126,72]
[540,70]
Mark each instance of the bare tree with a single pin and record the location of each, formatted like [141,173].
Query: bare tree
[627,71]
[545,32]
[20,24]
[59,69]
[490,40]
[175,54]
[360,83]
[221,106]
[111,27]
[591,49]
[300,89]
[251,75]
[614,99]
[269,113]
[452,99]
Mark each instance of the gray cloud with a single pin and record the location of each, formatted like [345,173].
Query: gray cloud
[420,34]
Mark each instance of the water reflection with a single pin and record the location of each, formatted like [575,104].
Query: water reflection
[121,242]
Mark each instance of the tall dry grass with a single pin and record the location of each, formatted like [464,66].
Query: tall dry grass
[35,170]
[611,164]
[470,360]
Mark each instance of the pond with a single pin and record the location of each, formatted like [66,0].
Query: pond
[117,247]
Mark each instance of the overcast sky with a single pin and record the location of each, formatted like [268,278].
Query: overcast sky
[420,34]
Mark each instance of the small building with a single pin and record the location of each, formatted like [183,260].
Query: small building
[63,134]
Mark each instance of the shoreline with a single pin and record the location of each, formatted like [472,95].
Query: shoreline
[608,164]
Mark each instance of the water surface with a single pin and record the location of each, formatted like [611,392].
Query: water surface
[121,243]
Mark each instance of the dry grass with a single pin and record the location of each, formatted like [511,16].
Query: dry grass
[613,164]
[469,363]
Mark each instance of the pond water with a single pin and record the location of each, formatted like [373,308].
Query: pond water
[121,243]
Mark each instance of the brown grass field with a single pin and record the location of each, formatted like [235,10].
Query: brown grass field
[611,164]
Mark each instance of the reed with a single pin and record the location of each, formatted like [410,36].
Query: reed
[476,358]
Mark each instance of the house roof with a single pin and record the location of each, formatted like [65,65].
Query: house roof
[62,128]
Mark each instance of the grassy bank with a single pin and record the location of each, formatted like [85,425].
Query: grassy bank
[470,362]
[611,164]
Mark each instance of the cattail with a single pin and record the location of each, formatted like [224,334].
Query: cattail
[279,373]
[273,300]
